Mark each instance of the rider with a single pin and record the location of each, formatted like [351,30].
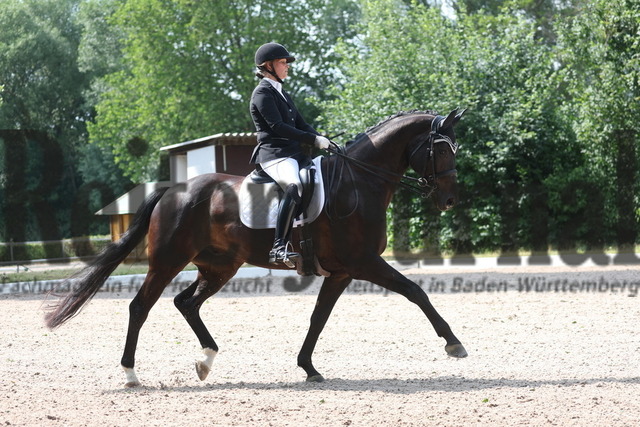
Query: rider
[281,133]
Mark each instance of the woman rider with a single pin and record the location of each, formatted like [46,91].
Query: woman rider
[281,134]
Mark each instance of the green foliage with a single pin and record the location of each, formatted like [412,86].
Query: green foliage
[41,82]
[526,162]
[45,94]
[600,54]
[42,92]
[188,68]
[99,55]
[549,145]
[52,249]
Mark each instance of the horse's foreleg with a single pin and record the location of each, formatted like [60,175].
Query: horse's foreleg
[139,309]
[331,289]
[189,302]
[381,273]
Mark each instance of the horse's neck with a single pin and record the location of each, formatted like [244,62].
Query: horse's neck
[387,147]
[384,148]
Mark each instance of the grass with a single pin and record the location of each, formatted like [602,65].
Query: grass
[55,272]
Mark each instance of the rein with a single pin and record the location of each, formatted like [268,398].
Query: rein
[430,182]
[390,176]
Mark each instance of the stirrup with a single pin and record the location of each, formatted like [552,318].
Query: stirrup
[282,255]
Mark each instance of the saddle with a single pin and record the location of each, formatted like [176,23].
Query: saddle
[307,178]
[259,199]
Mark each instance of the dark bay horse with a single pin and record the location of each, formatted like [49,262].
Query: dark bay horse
[198,222]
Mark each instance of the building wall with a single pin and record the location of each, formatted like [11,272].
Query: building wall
[200,161]
[237,159]
[120,224]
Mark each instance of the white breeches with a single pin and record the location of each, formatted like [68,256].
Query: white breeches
[285,172]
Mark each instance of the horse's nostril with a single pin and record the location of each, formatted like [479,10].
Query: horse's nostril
[451,202]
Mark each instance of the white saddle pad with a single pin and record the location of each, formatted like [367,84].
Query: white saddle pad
[259,202]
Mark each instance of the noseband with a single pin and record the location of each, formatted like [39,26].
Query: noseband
[430,181]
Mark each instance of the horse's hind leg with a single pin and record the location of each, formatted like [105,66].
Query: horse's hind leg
[151,290]
[189,302]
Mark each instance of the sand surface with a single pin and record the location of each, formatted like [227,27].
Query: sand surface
[552,357]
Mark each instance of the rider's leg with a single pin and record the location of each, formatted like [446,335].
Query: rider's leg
[286,173]
[286,211]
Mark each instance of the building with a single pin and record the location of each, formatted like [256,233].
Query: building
[224,153]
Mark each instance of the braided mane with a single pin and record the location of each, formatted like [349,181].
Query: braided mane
[400,114]
[384,121]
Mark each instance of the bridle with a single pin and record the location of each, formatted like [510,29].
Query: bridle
[431,181]
[426,184]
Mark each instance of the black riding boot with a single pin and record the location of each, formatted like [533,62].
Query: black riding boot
[284,222]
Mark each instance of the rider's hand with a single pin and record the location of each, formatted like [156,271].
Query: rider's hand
[322,142]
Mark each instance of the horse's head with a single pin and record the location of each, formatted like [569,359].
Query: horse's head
[434,158]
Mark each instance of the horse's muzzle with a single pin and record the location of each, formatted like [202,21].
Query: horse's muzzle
[450,203]
[446,200]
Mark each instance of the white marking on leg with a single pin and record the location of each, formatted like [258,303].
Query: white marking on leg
[209,355]
[132,379]
[203,366]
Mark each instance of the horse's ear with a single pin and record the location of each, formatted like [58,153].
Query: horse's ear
[458,116]
[449,120]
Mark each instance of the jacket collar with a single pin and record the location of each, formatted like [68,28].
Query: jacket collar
[272,84]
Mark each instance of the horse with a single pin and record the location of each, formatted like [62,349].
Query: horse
[198,222]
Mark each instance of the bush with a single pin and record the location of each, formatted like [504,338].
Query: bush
[52,250]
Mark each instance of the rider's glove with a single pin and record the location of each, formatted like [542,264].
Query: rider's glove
[322,142]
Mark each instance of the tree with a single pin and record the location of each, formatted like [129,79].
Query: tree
[545,13]
[188,69]
[99,55]
[38,67]
[598,50]
[513,137]
[51,62]
[41,94]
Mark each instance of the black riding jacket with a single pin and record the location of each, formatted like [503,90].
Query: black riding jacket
[281,129]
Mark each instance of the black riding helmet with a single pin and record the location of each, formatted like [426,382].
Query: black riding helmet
[271,51]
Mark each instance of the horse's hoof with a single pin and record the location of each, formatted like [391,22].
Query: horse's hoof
[202,369]
[456,350]
[132,384]
[132,378]
[315,379]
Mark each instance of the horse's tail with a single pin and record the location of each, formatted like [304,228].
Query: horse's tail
[86,283]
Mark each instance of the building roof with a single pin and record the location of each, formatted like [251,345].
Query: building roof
[130,202]
[236,138]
